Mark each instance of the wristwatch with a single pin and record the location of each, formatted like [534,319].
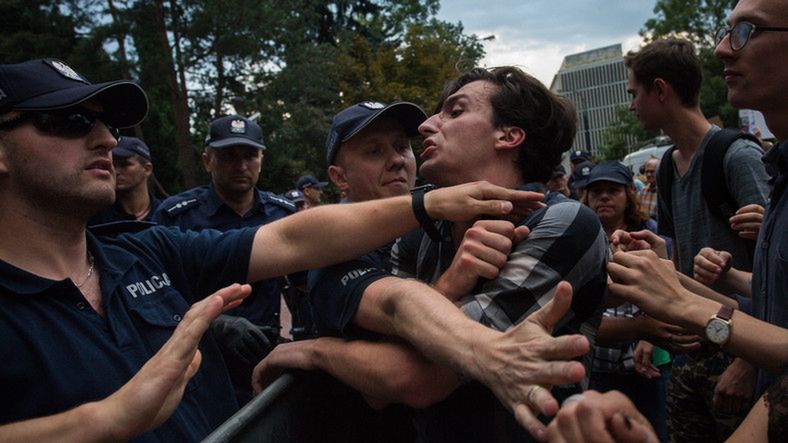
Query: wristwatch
[718,329]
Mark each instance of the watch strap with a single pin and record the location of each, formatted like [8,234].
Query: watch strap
[725,313]
[417,203]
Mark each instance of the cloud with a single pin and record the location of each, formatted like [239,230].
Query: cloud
[538,34]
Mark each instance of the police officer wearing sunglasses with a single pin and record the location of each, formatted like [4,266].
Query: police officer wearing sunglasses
[99,342]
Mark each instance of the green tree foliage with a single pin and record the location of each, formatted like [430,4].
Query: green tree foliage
[623,136]
[291,65]
[698,22]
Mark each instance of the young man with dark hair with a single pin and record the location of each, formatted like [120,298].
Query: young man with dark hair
[99,342]
[467,140]
[707,396]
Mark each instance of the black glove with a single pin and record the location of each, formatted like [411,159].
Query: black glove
[240,340]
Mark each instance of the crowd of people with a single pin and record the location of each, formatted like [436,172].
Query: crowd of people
[504,298]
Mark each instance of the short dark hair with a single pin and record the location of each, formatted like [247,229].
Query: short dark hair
[672,60]
[549,120]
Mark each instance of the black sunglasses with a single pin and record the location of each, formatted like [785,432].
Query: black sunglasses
[742,32]
[66,123]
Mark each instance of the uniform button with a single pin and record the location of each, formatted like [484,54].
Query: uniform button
[81,305]
[176,317]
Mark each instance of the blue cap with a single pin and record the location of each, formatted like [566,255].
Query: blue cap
[610,171]
[234,130]
[128,146]
[581,173]
[352,120]
[308,181]
[295,196]
[49,84]
[579,155]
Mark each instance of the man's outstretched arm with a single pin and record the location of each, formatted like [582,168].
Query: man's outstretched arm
[334,233]
[148,399]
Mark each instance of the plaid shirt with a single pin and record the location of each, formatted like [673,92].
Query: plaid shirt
[648,200]
[566,243]
[616,358]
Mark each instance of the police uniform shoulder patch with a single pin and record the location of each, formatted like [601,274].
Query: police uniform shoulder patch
[181,206]
[281,201]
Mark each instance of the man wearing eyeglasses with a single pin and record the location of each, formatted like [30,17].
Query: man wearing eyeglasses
[753,50]
[98,340]
[707,393]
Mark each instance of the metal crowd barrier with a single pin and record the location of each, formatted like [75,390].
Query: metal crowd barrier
[310,406]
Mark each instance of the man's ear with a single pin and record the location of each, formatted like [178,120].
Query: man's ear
[206,161]
[148,167]
[661,88]
[337,176]
[3,159]
[509,137]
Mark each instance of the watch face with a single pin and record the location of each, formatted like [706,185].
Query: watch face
[717,331]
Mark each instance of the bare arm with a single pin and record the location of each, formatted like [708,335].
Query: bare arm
[643,279]
[334,233]
[613,330]
[148,399]
[385,372]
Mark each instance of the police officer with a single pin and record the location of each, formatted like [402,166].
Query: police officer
[312,189]
[85,320]
[233,157]
[133,199]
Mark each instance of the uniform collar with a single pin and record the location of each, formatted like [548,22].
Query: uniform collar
[213,202]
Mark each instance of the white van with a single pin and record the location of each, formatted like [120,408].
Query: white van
[634,160]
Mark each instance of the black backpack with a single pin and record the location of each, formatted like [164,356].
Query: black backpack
[713,184]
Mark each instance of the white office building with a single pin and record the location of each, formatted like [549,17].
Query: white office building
[596,81]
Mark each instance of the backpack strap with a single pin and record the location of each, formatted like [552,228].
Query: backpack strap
[665,181]
[713,184]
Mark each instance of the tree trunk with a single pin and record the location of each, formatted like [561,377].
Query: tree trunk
[125,67]
[178,95]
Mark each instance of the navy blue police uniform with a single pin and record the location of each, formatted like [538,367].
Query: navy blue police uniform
[58,353]
[335,292]
[201,208]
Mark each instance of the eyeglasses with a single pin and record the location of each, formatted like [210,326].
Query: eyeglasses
[66,123]
[742,32]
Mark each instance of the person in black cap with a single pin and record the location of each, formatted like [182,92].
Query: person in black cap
[626,364]
[490,125]
[233,157]
[133,169]
[297,197]
[99,341]
[577,157]
[312,190]
[558,181]
[579,179]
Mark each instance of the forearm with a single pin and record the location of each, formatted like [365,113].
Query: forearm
[758,342]
[78,424]
[704,291]
[616,330]
[328,234]
[737,282]
[387,371]
[434,326]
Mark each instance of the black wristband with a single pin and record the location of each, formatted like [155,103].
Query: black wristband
[417,203]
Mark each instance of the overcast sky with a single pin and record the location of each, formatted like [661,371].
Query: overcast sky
[537,34]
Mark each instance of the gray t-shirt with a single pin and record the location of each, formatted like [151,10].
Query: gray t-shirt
[694,226]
